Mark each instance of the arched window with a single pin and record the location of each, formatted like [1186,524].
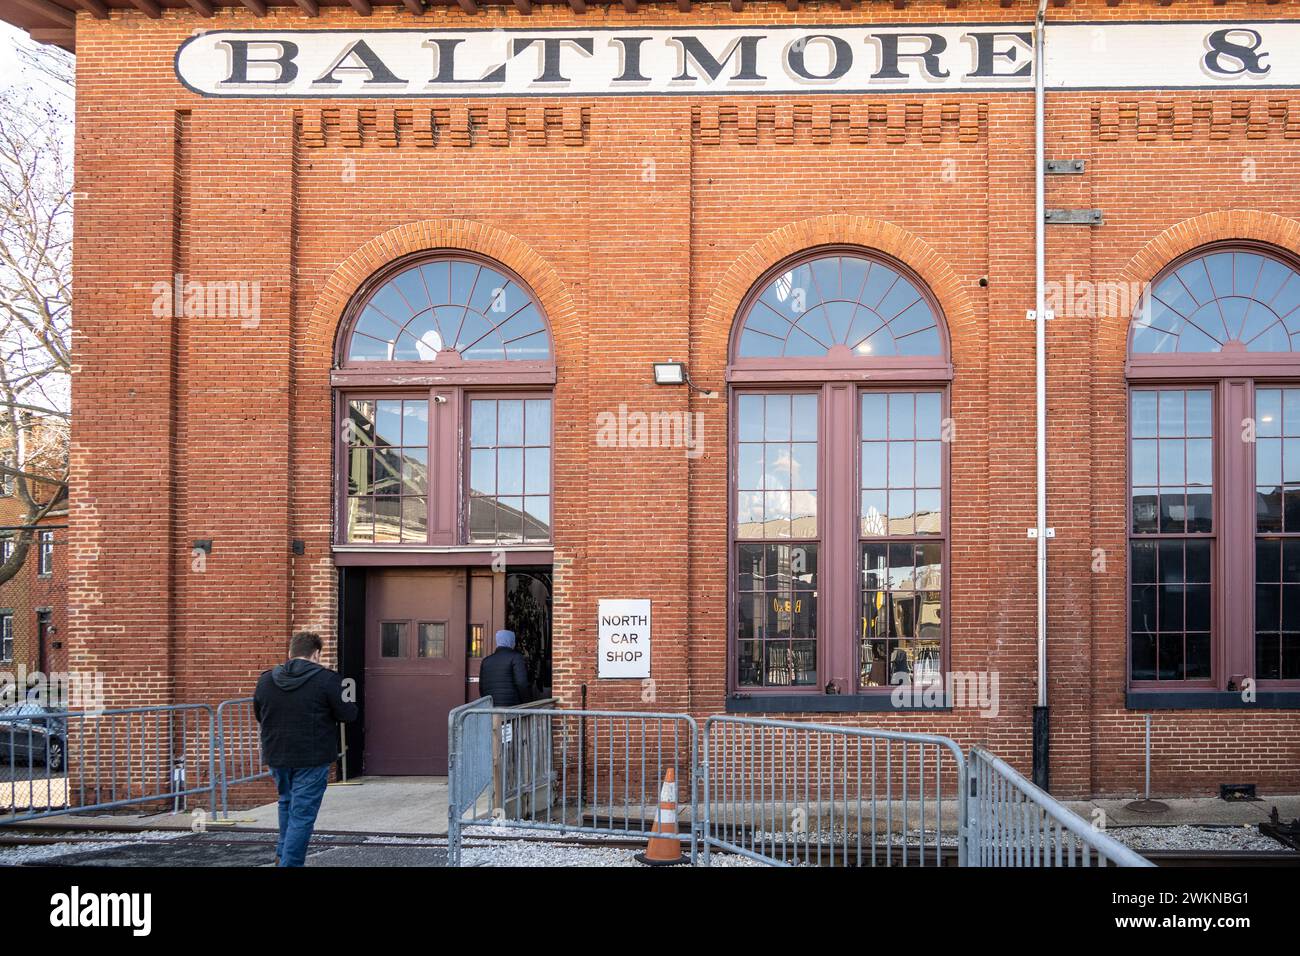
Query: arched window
[1214,473]
[1226,301]
[436,308]
[444,359]
[838,380]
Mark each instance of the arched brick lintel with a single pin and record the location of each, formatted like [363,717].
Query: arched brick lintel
[452,234]
[872,234]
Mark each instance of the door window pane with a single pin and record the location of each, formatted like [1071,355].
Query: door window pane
[392,639]
[432,639]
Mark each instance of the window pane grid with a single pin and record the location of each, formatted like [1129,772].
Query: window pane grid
[1171,547]
[776,615]
[1172,462]
[1277,527]
[900,473]
[900,518]
[776,476]
[1170,611]
[387,462]
[901,626]
[509,470]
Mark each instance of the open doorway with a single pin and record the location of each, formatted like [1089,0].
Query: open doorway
[413,639]
[528,614]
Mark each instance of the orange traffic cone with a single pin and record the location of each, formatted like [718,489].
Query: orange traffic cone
[664,850]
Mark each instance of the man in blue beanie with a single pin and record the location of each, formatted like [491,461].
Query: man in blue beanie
[503,675]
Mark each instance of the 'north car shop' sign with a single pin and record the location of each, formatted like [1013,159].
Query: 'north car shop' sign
[731,60]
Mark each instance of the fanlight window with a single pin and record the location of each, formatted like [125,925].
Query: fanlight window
[449,305]
[1222,300]
[836,302]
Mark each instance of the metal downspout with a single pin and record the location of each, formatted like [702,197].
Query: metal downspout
[1041,720]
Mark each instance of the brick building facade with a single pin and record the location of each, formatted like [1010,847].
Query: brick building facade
[210,451]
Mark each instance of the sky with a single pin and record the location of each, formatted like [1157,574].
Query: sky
[10,37]
[13,72]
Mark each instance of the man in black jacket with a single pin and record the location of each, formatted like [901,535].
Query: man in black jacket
[299,705]
[503,675]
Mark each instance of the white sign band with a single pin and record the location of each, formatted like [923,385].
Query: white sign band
[737,60]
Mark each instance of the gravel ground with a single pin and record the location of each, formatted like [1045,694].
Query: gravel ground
[1195,838]
[541,854]
[477,832]
[105,840]
[837,838]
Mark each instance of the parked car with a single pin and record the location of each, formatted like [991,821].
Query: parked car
[33,734]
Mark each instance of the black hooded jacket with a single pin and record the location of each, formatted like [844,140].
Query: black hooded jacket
[298,705]
[503,676]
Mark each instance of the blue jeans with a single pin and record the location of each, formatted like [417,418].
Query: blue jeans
[301,790]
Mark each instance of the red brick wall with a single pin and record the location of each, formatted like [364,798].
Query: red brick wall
[194,428]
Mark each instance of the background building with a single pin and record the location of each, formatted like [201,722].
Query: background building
[33,602]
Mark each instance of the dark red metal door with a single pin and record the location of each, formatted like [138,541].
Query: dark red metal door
[415,667]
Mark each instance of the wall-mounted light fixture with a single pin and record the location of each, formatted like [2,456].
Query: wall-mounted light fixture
[674,373]
[204,545]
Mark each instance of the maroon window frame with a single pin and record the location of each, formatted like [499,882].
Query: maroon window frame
[449,382]
[835,378]
[1235,376]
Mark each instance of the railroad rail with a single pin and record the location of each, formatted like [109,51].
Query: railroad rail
[819,855]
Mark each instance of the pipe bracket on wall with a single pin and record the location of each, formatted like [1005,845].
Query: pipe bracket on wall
[1073,217]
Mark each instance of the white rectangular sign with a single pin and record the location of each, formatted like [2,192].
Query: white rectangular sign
[623,639]
[696,60]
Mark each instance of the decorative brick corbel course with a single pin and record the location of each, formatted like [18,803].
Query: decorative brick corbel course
[458,125]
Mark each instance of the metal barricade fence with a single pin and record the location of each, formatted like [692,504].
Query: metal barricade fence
[239,747]
[1014,823]
[56,762]
[575,771]
[786,792]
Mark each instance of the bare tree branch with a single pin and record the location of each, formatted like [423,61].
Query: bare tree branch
[35,289]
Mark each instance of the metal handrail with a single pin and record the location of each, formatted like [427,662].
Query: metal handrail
[991,853]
